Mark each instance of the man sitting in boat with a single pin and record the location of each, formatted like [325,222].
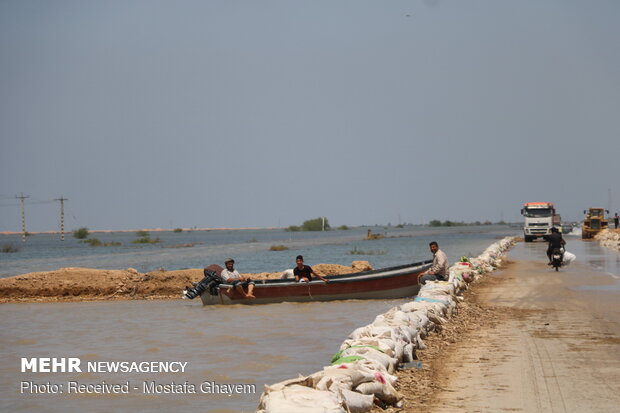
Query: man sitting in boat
[303,273]
[232,276]
[439,269]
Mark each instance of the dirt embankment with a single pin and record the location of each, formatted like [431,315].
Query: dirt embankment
[88,284]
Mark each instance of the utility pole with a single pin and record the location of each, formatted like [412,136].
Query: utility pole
[62,216]
[21,202]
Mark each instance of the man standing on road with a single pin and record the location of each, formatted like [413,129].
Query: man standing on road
[439,269]
[616,220]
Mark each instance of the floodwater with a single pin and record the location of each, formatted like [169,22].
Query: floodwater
[222,345]
[594,277]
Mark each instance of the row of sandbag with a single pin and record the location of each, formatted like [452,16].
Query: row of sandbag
[609,239]
[363,370]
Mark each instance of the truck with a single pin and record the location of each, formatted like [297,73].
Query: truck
[594,222]
[540,217]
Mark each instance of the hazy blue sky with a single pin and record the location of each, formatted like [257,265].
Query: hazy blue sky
[264,113]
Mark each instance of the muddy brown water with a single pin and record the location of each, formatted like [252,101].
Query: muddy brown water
[252,345]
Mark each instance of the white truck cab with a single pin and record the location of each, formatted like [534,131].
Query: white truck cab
[540,217]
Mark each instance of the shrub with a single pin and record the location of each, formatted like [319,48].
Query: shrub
[81,233]
[343,227]
[435,223]
[142,234]
[94,242]
[315,224]
[355,251]
[8,248]
[278,248]
[177,230]
[146,240]
[293,228]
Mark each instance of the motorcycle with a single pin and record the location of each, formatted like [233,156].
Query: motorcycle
[557,256]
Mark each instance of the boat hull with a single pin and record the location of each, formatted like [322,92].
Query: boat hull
[389,283]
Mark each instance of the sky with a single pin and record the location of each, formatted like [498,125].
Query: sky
[264,113]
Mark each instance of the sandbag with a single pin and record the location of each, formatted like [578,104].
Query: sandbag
[300,399]
[568,258]
[357,402]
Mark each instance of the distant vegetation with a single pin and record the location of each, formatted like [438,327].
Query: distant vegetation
[177,230]
[278,248]
[371,236]
[81,233]
[315,224]
[145,238]
[188,245]
[355,251]
[8,248]
[343,227]
[252,240]
[438,223]
[95,242]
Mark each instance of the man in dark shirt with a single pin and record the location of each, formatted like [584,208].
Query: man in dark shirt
[555,242]
[303,273]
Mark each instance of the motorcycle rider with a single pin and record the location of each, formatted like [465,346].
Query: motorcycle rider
[555,242]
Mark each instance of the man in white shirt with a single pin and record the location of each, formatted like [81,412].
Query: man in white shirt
[232,276]
[439,269]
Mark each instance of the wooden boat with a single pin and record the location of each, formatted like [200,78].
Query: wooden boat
[386,283]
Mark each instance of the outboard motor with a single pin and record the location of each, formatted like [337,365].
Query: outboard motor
[208,284]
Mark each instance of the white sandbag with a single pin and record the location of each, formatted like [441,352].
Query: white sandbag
[370,353]
[306,381]
[374,368]
[288,275]
[300,399]
[387,345]
[408,353]
[568,258]
[333,377]
[357,402]
[384,391]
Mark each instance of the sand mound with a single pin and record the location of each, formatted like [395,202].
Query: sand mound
[609,238]
[86,284]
